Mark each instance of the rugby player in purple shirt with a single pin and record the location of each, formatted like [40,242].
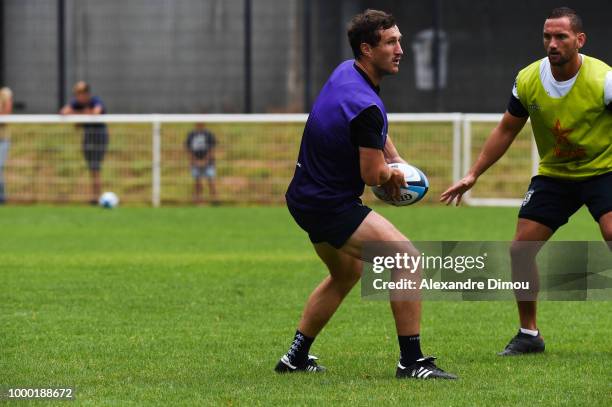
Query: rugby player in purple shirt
[344,147]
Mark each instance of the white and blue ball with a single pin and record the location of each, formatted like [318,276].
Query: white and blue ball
[415,189]
[108,200]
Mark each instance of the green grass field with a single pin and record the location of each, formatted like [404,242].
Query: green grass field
[194,306]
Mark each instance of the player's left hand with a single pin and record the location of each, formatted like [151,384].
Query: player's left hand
[395,182]
[457,190]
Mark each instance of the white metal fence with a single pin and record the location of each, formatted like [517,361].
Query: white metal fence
[146,161]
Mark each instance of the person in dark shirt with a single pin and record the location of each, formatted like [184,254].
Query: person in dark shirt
[95,135]
[200,145]
[344,147]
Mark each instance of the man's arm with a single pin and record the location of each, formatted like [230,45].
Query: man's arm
[7,106]
[494,148]
[374,171]
[96,106]
[97,109]
[67,109]
[372,165]
[366,134]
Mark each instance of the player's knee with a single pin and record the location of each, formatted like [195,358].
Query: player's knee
[344,285]
[523,250]
[515,250]
[346,280]
[353,276]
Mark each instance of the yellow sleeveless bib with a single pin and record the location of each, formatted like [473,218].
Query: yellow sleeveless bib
[574,132]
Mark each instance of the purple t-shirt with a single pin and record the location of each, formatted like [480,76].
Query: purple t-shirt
[327,176]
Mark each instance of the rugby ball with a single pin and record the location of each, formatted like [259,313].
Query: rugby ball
[415,189]
[108,200]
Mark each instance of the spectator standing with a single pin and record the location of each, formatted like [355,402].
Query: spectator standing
[95,135]
[200,145]
[6,107]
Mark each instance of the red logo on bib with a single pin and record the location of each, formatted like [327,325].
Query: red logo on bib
[563,147]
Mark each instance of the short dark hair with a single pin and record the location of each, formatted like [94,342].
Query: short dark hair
[81,87]
[365,27]
[574,18]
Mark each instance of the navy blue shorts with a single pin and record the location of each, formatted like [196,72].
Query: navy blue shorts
[551,201]
[95,142]
[334,229]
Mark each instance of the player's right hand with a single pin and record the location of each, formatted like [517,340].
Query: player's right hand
[456,191]
[395,182]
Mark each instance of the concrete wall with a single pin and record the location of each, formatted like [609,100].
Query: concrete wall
[29,40]
[188,55]
[489,41]
[158,55]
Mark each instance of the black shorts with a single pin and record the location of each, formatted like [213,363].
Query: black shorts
[551,201]
[95,141]
[334,229]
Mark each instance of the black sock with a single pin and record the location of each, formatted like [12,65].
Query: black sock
[298,352]
[410,349]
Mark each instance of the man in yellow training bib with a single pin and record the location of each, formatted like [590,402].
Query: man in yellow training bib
[568,97]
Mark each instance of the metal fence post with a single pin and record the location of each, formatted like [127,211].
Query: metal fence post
[457,147]
[467,152]
[156,164]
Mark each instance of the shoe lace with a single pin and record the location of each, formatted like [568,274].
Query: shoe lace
[514,341]
[311,362]
[428,363]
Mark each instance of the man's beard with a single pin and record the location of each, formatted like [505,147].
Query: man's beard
[559,62]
